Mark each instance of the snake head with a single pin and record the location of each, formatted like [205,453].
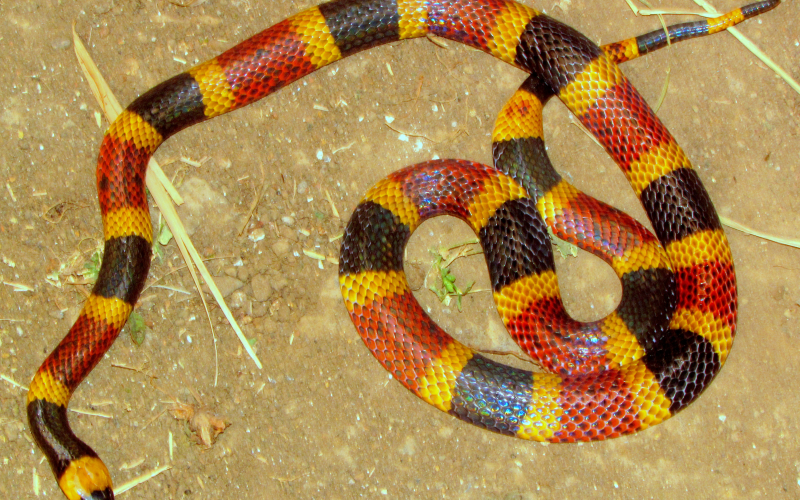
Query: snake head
[86,478]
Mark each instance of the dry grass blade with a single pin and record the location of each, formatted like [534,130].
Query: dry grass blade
[91,413]
[333,206]
[13,382]
[159,186]
[119,490]
[740,227]
[254,204]
[672,12]
[664,89]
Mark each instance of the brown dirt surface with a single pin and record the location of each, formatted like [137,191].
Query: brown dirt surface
[322,419]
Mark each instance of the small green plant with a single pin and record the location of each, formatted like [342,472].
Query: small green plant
[136,328]
[444,257]
[449,288]
[92,267]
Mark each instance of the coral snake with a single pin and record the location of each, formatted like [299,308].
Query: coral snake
[651,357]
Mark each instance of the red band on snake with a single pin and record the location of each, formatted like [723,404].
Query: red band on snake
[651,357]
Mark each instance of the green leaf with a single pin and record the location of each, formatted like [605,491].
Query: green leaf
[565,248]
[164,235]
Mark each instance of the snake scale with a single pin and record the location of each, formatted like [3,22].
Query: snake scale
[644,362]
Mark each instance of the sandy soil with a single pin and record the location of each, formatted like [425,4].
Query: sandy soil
[322,419]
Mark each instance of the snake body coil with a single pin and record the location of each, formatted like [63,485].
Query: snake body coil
[647,360]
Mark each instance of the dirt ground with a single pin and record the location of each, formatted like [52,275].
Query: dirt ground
[322,419]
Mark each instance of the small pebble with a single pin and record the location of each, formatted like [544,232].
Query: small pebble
[281,247]
[284,313]
[259,310]
[261,287]
[101,8]
[61,43]
[227,285]
[237,300]
[279,283]
[257,235]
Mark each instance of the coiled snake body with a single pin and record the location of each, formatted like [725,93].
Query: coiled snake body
[665,342]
